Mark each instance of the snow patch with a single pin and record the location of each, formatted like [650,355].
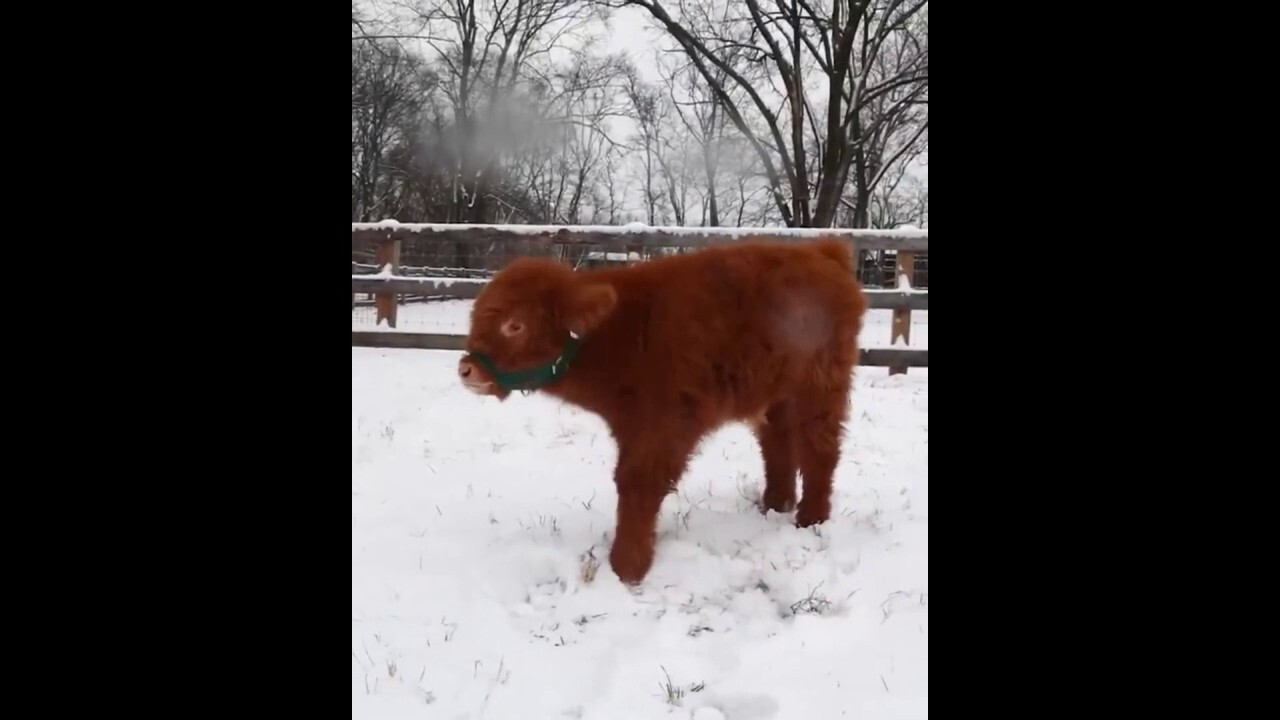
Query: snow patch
[480,583]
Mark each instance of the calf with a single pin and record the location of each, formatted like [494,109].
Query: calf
[671,349]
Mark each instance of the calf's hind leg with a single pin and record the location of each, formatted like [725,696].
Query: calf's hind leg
[778,446]
[819,427]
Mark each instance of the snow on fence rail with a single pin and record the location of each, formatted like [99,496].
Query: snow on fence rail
[390,283]
[619,238]
[430,283]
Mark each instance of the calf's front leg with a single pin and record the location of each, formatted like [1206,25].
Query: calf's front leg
[644,475]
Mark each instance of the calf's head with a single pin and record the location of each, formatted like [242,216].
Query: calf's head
[526,325]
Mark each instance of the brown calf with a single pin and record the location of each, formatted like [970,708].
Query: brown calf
[669,350]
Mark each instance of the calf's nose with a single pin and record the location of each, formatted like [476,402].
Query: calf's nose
[464,369]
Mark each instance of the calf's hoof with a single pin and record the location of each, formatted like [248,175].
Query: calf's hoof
[809,515]
[630,562]
[777,502]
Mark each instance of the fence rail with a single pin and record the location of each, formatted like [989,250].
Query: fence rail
[620,238]
[881,357]
[385,282]
[467,289]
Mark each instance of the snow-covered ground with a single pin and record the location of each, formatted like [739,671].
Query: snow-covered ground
[480,584]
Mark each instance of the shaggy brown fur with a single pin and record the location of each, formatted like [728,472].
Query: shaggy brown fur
[674,348]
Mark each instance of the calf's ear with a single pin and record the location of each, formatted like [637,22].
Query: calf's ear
[586,305]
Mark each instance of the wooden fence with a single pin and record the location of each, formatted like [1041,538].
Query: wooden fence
[389,284]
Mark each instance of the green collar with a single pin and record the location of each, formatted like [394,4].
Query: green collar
[533,378]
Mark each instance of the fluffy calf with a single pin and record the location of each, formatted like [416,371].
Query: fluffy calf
[671,349]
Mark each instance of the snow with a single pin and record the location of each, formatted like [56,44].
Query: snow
[614,256]
[906,289]
[439,282]
[636,227]
[480,584]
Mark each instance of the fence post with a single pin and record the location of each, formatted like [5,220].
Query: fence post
[388,255]
[901,327]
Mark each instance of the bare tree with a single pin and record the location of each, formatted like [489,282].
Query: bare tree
[894,123]
[385,86]
[488,53]
[568,143]
[785,43]
[645,104]
[702,121]
[763,111]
